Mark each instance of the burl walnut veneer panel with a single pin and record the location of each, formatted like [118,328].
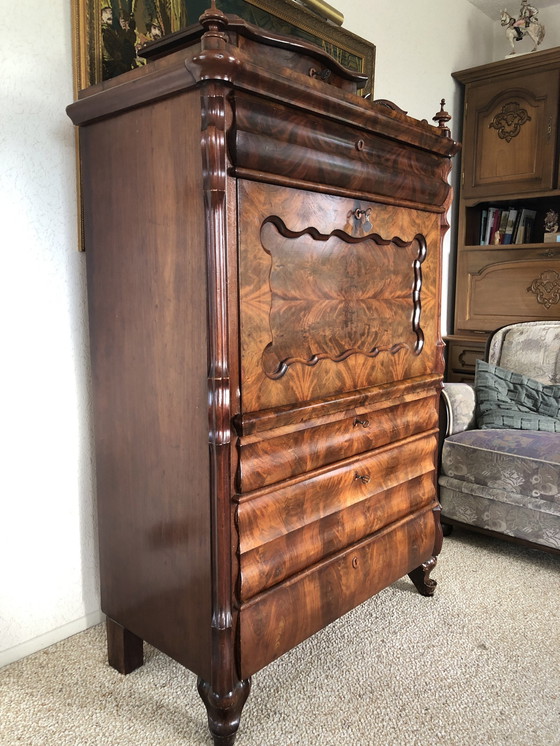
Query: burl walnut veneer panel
[355,282]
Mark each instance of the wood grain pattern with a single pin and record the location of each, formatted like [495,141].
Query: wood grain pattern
[369,398]
[329,589]
[325,214]
[502,161]
[146,272]
[293,450]
[318,151]
[284,531]
[327,302]
[503,289]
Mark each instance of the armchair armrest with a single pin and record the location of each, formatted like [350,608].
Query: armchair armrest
[459,402]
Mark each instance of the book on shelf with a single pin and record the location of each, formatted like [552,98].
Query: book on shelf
[494,223]
[483,224]
[495,226]
[504,226]
[510,225]
[524,230]
[489,224]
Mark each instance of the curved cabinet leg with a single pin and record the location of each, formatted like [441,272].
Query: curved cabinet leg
[224,712]
[420,577]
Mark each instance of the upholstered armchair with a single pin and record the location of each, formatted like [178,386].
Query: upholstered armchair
[500,461]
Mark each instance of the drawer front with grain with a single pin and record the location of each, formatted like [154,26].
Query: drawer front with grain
[505,286]
[277,620]
[284,531]
[286,452]
[316,151]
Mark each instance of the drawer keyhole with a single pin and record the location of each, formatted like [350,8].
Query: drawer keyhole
[362,477]
[355,562]
[361,423]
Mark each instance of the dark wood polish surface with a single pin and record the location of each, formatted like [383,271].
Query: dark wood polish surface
[263,258]
[282,531]
[147,299]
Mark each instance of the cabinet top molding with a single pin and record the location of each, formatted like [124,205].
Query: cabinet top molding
[237,54]
[544,60]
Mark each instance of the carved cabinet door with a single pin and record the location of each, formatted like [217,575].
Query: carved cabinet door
[510,134]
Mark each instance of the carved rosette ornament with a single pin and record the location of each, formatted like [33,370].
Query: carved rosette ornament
[509,121]
[546,288]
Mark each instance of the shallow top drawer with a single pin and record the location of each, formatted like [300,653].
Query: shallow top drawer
[278,140]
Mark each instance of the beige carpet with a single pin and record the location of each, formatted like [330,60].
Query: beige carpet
[478,664]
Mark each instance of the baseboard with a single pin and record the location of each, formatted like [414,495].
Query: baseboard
[50,638]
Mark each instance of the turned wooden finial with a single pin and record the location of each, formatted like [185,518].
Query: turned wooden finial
[213,19]
[442,117]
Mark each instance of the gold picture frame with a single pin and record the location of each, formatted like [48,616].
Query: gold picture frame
[284,17]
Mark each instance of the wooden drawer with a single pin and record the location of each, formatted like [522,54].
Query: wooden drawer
[286,452]
[316,151]
[462,355]
[284,531]
[506,285]
[277,620]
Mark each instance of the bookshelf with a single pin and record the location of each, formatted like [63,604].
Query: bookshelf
[507,270]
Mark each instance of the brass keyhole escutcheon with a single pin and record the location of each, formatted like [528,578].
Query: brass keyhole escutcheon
[360,145]
[364,478]
[355,562]
[362,423]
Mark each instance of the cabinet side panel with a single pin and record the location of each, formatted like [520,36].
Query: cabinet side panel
[146,262]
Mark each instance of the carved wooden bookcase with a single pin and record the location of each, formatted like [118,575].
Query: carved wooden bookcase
[263,261]
[510,159]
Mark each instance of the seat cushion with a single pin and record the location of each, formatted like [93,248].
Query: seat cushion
[515,461]
[504,480]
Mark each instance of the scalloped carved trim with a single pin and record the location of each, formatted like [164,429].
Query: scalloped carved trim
[336,295]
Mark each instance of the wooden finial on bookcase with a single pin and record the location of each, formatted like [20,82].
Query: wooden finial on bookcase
[442,117]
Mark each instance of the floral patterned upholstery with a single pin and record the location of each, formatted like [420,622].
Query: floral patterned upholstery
[506,481]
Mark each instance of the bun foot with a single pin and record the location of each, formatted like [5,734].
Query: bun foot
[224,712]
[420,577]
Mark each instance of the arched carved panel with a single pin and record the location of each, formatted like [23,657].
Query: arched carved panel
[507,144]
[512,290]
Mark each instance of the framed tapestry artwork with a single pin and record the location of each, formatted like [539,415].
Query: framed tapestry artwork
[109,34]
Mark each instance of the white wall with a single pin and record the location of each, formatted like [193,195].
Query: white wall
[48,561]
[48,576]
[416,52]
